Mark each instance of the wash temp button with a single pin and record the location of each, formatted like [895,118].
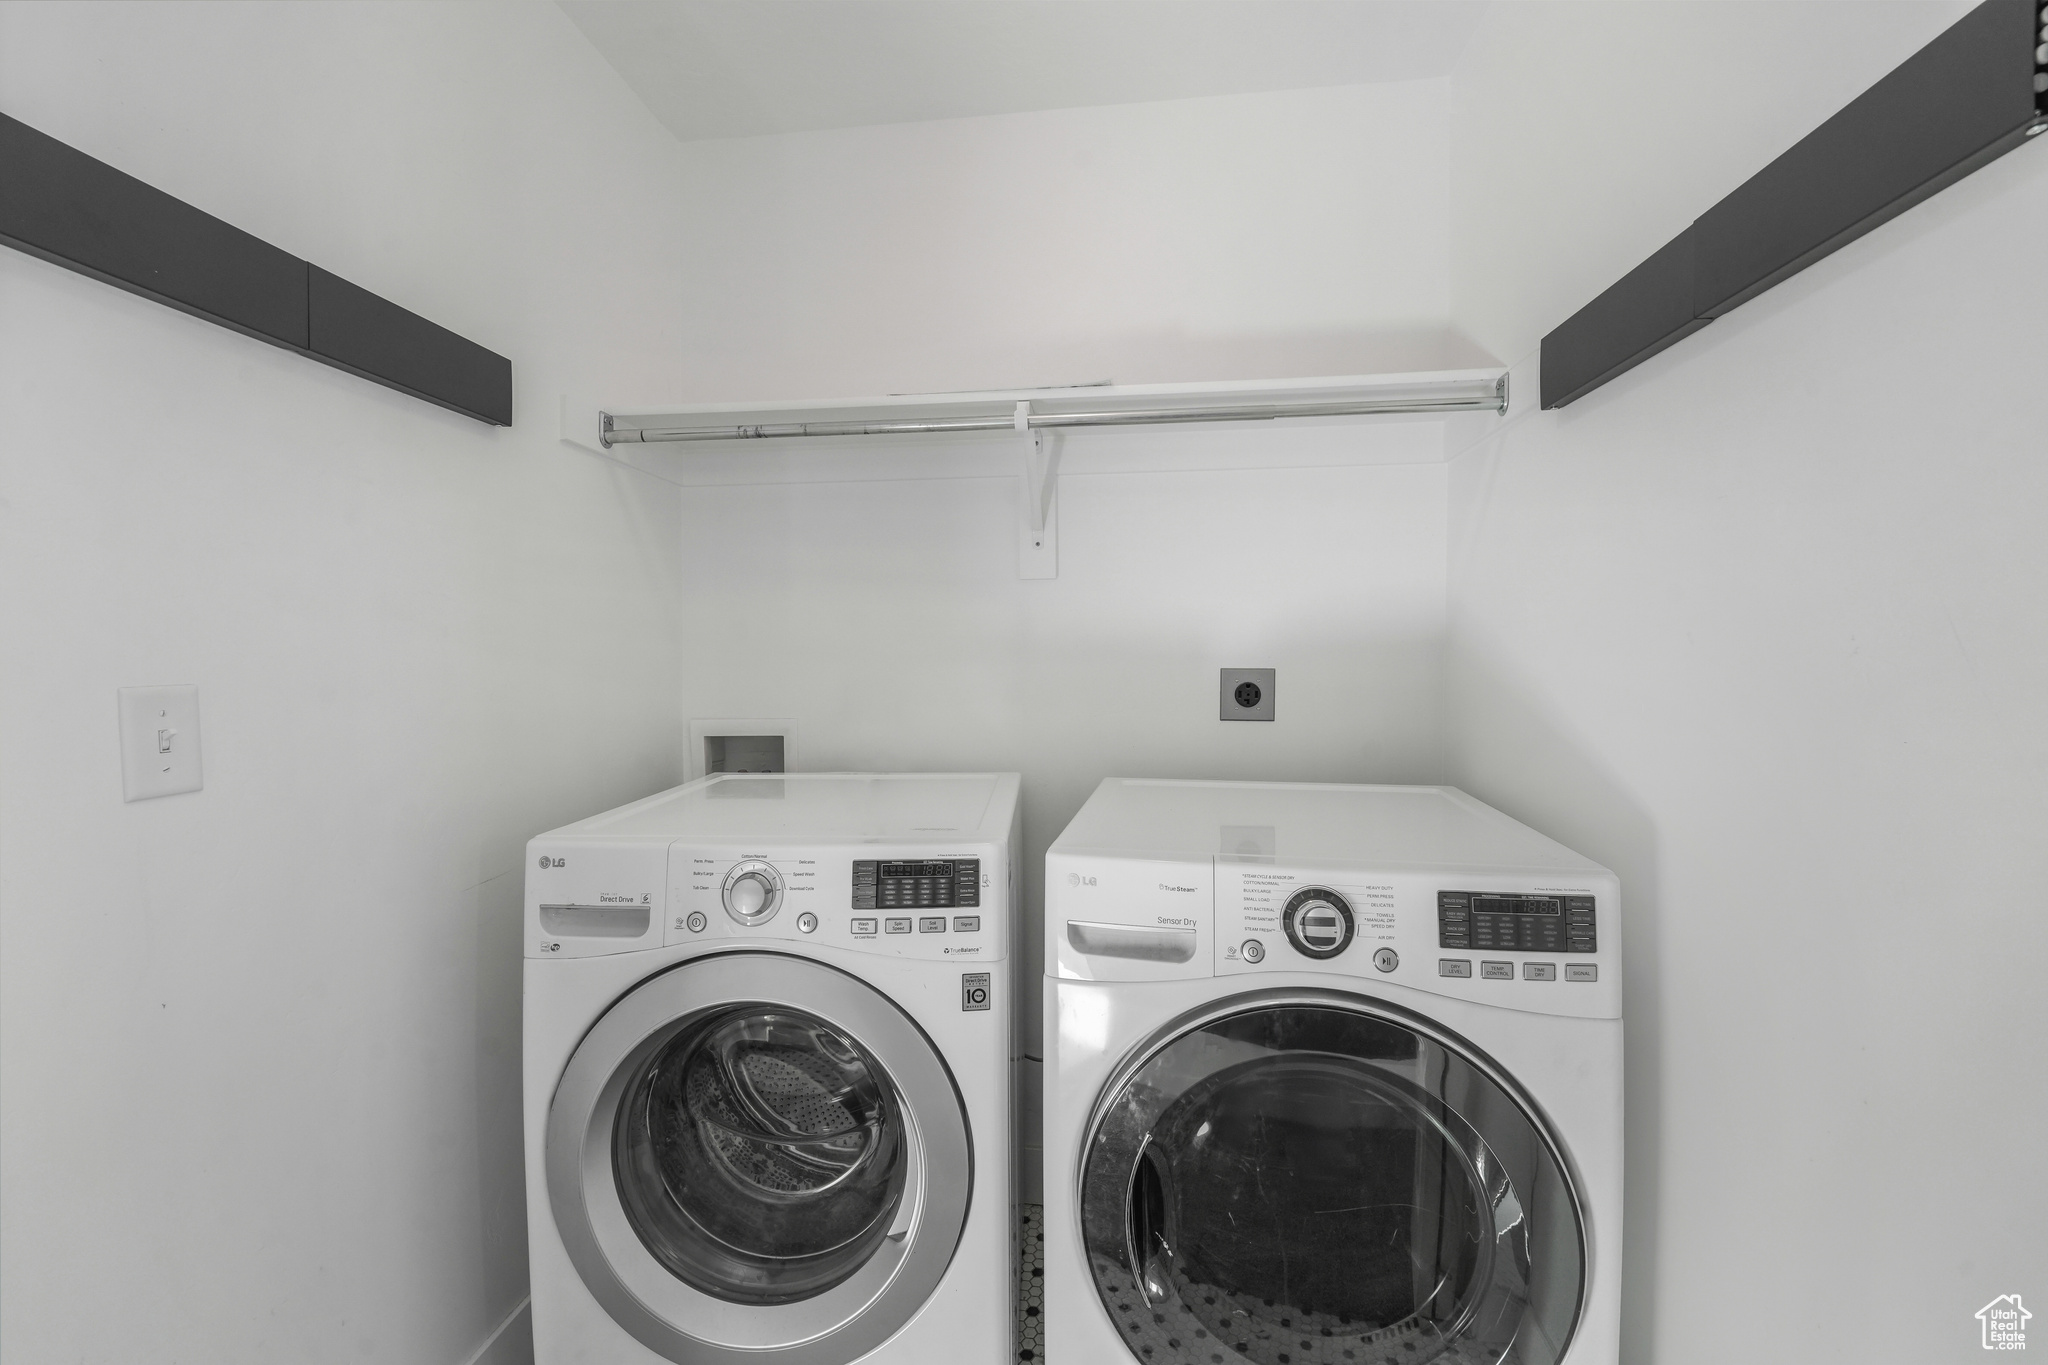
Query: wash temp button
[863,926]
[1581,971]
[1454,966]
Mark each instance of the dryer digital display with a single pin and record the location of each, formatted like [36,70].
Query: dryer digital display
[1504,922]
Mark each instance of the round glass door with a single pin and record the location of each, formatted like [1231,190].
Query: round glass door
[1311,1181]
[755,1159]
[760,1155]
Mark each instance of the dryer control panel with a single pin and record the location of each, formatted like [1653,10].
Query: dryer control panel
[1521,941]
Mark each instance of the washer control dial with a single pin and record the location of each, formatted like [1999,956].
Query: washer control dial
[1318,922]
[752,892]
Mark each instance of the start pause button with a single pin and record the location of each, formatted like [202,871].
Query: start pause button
[974,990]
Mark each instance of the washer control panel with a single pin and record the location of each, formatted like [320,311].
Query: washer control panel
[931,884]
[911,905]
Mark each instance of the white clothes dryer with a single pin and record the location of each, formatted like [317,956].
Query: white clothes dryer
[769,1055]
[1333,1077]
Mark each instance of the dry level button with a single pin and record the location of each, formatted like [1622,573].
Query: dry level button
[1454,966]
[1581,971]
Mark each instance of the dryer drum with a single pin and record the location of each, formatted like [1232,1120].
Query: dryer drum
[1310,1184]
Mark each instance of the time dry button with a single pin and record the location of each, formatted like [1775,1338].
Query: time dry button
[1253,951]
[696,921]
[807,923]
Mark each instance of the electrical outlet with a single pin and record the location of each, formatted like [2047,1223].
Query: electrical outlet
[159,741]
[1246,694]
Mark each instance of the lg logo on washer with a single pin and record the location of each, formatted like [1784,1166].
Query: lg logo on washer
[1076,879]
[546,861]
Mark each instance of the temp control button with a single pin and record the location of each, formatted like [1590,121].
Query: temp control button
[1253,951]
[1497,971]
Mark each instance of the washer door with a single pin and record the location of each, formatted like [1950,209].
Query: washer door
[758,1158]
[1319,1179]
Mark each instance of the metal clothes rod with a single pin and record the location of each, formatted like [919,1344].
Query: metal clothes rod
[1495,399]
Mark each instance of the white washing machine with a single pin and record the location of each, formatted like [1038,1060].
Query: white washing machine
[769,1059]
[1333,1077]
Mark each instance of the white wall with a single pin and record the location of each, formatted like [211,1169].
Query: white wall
[260,1057]
[1243,236]
[1237,237]
[1760,626]
[1588,133]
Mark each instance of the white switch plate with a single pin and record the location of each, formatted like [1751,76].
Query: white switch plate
[159,741]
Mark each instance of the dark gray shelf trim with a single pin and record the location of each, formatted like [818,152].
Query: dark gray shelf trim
[65,207]
[1966,99]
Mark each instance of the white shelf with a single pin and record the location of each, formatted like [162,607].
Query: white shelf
[1037,435]
[1425,394]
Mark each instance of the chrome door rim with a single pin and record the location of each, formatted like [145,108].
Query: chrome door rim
[841,1323]
[1252,1002]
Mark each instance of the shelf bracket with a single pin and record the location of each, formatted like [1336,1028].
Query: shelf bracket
[1038,534]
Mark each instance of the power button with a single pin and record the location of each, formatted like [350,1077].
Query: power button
[1253,951]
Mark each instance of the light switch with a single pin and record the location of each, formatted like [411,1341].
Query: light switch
[159,741]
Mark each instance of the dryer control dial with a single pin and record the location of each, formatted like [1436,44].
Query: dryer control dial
[752,892]
[1318,922]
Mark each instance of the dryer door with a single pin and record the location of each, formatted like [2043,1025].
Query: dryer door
[757,1158]
[1312,1179]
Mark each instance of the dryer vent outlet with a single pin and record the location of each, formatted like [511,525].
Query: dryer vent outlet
[743,753]
[1247,694]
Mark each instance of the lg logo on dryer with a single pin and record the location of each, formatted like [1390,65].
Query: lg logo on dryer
[1076,879]
[546,861]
